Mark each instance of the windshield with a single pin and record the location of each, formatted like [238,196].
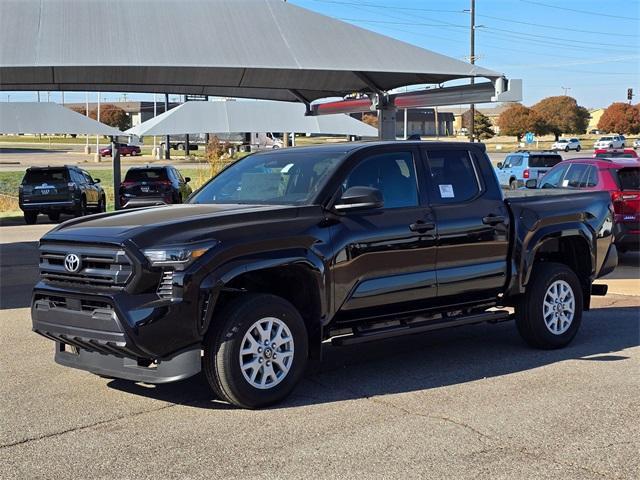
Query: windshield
[604,139]
[52,175]
[292,177]
[563,141]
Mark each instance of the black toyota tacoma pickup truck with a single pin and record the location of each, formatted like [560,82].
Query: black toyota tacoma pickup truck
[287,249]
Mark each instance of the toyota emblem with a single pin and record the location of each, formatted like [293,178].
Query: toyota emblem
[72,263]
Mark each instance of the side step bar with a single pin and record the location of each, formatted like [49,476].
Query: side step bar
[371,334]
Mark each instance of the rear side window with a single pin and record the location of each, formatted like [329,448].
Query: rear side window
[142,175]
[452,176]
[628,178]
[542,161]
[53,175]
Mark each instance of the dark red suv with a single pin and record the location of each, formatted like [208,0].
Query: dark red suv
[619,176]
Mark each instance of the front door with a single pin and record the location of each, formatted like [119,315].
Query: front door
[385,256]
[472,222]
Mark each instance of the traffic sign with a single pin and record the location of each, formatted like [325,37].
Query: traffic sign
[528,137]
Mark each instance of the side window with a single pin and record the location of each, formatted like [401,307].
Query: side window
[76,177]
[516,161]
[452,176]
[178,175]
[574,176]
[87,178]
[394,174]
[552,179]
[591,178]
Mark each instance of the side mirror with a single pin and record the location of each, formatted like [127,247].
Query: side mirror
[360,198]
[96,180]
[187,179]
[531,183]
[499,164]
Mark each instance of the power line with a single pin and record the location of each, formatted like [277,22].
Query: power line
[584,12]
[360,4]
[554,27]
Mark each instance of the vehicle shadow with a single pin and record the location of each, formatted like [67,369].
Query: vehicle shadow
[19,265]
[425,361]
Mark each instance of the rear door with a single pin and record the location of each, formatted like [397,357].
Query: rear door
[46,185]
[472,223]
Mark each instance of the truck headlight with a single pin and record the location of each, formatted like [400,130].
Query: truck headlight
[178,256]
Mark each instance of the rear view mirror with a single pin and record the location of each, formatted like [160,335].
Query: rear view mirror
[96,180]
[531,183]
[358,198]
[499,164]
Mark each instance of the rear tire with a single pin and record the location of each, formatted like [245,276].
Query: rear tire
[550,312]
[54,217]
[267,372]
[30,218]
[81,209]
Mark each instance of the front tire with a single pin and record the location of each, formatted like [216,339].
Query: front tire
[578,148]
[513,185]
[256,351]
[566,149]
[102,205]
[550,313]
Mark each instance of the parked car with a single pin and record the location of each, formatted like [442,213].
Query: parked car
[609,141]
[594,131]
[620,177]
[124,149]
[288,248]
[522,165]
[567,144]
[56,190]
[144,186]
[636,143]
[615,153]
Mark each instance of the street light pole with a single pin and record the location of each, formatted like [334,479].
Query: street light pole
[472,59]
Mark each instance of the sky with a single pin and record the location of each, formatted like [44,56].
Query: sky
[588,49]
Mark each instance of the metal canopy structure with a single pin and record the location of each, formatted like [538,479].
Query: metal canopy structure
[247,116]
[266,49]
[35,118]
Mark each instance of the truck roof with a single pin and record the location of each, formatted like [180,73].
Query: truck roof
[348,147]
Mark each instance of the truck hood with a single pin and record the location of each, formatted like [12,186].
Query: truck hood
[166,225]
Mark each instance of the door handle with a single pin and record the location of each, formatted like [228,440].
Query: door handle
[422,226]
[493,219]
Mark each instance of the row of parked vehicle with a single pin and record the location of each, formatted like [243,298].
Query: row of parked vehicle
[71,190]
[605,142]
[613,171]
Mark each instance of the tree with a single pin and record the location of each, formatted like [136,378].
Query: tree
[483,129]
[560,115]
[517,120]
[112,115]
[80,110]
[620,118]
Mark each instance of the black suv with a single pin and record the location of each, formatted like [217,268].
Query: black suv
[56,190]
[145,186]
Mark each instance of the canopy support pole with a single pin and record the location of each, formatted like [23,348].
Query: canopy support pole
[115,155]
[386,117]
[167,140]
[302,99]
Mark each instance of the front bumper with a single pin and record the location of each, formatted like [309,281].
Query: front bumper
[137,337]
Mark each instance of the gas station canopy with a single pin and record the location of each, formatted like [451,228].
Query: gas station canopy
[248,116]
[266,49]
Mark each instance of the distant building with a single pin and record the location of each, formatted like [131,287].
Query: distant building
[420,121]
[138,111]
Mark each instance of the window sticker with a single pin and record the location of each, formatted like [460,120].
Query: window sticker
[565,183]
[446,191]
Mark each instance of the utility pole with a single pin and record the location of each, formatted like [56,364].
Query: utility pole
[472,59]
[565,90]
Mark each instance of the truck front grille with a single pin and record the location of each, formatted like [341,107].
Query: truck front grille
[99,266]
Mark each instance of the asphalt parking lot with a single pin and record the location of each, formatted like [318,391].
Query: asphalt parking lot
[472,402]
